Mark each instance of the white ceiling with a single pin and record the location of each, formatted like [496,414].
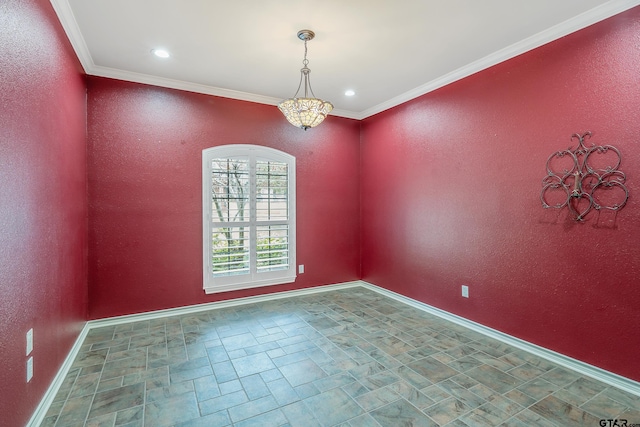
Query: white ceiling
[387,51]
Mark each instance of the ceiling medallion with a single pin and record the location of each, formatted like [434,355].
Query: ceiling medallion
[305,112]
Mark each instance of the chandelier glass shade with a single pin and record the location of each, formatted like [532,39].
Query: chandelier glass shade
[305,112]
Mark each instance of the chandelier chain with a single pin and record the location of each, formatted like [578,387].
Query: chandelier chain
[305,61]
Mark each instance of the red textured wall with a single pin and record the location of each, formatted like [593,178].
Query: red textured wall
[450,190]
[43,202]
[449,187]
[145,193]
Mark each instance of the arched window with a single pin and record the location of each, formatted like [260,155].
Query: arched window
[249,227]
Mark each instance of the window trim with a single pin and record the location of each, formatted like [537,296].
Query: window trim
[255,279]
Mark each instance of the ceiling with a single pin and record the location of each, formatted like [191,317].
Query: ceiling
[387,51]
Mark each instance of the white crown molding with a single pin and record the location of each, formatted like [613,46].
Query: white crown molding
[597,14]
[70,26]
[130,76]
[569,26]
[346,114]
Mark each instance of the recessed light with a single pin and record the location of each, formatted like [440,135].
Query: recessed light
[349,93]
[160,53]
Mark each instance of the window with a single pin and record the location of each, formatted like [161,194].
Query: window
[248,196]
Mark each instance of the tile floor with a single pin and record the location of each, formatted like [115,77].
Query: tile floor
[340,358]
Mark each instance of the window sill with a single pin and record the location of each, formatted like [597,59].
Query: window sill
[248,285]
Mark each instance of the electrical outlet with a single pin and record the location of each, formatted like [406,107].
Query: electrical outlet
[465,291]
[29,369]
[29,341]
[301,269]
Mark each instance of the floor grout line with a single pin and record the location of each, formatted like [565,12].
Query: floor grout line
[353,327]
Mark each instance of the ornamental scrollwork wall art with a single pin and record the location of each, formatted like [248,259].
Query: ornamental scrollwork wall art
[584,178]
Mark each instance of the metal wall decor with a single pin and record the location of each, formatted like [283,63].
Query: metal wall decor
[584,178]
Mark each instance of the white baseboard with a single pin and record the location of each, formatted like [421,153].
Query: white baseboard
[181,311]
[583,368]
[41,411]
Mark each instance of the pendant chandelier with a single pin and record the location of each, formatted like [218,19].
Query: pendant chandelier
[305,112]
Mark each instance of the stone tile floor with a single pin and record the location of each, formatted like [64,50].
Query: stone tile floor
[340,358]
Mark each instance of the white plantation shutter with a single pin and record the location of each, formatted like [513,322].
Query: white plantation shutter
[229,204]
[272,215]
[248,217]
